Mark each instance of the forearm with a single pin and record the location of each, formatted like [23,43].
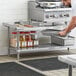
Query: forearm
[71,25]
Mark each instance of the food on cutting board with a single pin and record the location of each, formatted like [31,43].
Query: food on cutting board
[18,24]
[25,26]
[28,26]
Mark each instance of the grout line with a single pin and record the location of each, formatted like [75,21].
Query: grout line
[7,61]
[32,68]
[37,58]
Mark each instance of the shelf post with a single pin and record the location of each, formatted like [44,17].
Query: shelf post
[18,54]
[70,70]
[8,41]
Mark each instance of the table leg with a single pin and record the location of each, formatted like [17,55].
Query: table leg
[18,56]
[8,41]
[70,70]
[18,47]
[68,50]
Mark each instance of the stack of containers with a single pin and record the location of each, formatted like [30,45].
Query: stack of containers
[26,39]
[34,37]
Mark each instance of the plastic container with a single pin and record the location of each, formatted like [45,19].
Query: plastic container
[34,37]
[13,40]
[28,39]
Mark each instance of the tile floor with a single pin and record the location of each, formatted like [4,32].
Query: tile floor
[63,72]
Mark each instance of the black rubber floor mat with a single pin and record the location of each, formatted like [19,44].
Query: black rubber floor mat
[46,64]
[14,69]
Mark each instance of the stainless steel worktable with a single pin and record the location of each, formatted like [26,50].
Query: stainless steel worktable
[70,60]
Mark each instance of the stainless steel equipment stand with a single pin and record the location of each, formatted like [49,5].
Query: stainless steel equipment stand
[40,48]
[70,70]
[18,48]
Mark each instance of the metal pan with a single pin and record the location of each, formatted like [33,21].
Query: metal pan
[50,32]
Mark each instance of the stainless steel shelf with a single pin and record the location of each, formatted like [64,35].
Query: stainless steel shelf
[40,48]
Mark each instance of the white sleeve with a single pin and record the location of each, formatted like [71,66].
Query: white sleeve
[73,3]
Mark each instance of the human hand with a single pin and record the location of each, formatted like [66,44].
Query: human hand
[62,33]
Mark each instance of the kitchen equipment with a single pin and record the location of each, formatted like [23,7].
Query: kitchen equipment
[64,41]
[50,4]
[49,12]
[50,32]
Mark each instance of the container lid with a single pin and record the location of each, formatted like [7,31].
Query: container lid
[14,32]
[19,32]
[32,31]
[22,32]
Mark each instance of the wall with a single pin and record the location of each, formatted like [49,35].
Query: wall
[10,11]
